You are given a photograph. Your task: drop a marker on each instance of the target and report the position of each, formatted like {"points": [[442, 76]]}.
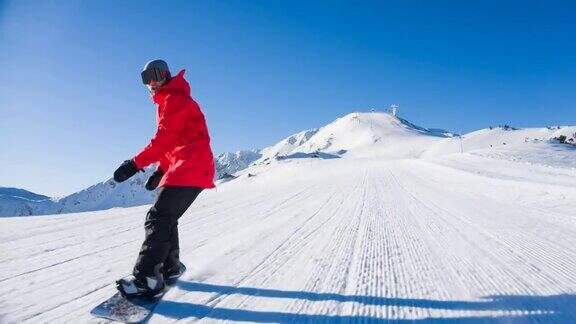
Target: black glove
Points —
{"points": [[126, 170], [154, 180]]}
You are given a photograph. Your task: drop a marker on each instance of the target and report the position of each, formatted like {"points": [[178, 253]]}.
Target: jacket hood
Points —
{"points": [[176, 84]]}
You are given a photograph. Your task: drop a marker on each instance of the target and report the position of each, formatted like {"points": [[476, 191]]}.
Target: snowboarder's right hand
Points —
{"points": [[125, 171], [154, 180]]}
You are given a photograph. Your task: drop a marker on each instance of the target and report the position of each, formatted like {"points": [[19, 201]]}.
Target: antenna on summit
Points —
{"points": [[394, 109]]}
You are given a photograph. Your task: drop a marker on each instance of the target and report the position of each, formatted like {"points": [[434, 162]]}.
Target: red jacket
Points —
{"points": [[181, 144]]}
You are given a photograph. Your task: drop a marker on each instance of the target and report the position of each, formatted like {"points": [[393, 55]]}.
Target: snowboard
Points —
{"points": [[124, 310]]}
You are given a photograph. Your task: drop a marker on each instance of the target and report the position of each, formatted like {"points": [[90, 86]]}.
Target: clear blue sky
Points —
{"points": [[72, 105]]}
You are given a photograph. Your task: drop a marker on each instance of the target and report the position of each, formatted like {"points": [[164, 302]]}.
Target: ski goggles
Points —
{"points": [[153, 74]]}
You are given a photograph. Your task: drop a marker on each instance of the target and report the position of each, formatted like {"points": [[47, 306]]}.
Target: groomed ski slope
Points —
{"points": [[468, 236]]}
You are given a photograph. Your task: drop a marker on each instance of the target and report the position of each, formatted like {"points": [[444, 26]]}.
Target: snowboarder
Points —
{"points": [[181, 146]]}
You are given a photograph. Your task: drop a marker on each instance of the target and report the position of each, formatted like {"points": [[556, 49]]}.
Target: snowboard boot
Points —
{"points": [[172, 274], [142, 287], [174, 268]]}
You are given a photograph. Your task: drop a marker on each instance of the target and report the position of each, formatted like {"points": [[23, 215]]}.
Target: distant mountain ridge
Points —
{"points": [[356, 135], [229, 163], [107, 194], [21, 193]]}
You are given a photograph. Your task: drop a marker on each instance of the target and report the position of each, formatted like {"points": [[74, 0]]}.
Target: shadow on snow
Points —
{"points": [[553, 309]]}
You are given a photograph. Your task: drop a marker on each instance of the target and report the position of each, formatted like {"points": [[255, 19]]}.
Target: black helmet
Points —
{"points": [[156, 70]]}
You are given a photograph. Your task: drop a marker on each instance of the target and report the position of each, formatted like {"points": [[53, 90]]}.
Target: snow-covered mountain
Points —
{"points": [[501, 137], [356, 135], [369, 134], [286, 146], [21, 193], [229, 163], [15, 201]]}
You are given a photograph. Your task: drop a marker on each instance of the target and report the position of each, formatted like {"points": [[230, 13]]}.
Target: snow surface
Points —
{"points": [[413, 231]]}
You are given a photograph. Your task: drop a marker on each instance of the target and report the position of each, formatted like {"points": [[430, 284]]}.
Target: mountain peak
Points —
{"points": [[361, 133], [355, 134]]}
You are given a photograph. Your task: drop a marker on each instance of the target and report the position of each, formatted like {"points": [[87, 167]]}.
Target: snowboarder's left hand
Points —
{"points": [[126, 170], [154, 180]]}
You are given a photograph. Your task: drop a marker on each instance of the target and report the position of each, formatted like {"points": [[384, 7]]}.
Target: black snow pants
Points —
{"points": [[161, 242]]}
